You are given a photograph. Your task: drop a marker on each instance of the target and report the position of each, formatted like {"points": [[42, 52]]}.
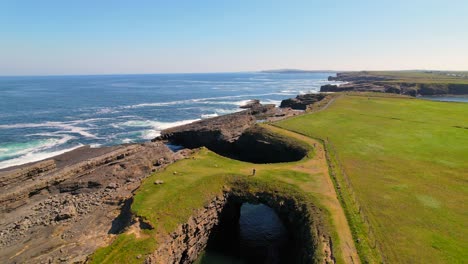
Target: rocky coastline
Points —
{"points": [[373, 82], [60, 210], [186, 243]]}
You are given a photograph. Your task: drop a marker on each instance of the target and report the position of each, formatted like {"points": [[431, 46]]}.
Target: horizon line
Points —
{"points": [[221, 72]]}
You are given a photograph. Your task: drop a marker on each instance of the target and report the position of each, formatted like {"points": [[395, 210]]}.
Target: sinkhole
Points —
{"points": [[249, 233]]}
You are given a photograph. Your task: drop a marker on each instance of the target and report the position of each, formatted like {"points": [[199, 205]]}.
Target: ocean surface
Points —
{"points": [[454, 98], [45, 116]]}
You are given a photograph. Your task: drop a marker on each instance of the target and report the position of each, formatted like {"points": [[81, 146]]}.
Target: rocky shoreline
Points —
{"points": [[61, 213], [60, 210]]}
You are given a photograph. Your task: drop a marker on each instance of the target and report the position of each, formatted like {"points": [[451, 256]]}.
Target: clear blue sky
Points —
{"points": [[99, 36]]}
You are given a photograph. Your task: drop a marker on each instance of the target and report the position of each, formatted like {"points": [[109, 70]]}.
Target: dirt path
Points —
{"points": [[322, 186]]}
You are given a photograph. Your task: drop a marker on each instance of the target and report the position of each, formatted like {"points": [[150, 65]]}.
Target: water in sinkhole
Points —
{"points": [[257, 236]]}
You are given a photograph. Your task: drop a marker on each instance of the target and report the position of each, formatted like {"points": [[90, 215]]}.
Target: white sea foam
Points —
{"points": [[222, 111], [269, 101], [207, 100], [32, 151], [156, 126], [32, 157], [78, 130], [288, 92], [150, 134], [209, 115], [69, 127], [127, 140], [242, 102], [18, 149], [106, 110]]}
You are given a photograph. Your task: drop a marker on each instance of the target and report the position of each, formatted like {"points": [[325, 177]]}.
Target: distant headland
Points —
{"points": [[413, 83], [295, 71]]}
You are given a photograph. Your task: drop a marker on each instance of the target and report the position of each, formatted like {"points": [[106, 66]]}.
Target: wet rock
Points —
{"points": [[251, 104]]}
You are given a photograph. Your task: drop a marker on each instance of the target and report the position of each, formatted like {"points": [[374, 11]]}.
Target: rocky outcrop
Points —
{"points": [[251, 104], [237, 136], [258, 145], [186, 243], [26, 173], [64, 208], [302, 102], [213, 133], [249, 142]]}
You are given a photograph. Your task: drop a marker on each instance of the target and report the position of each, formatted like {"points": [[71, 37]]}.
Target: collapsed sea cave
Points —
{"points": [[240, 227], [248, 233], [255, 145]]}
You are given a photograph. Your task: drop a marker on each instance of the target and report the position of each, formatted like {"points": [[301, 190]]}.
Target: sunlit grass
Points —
{"points": [[407, 161]]}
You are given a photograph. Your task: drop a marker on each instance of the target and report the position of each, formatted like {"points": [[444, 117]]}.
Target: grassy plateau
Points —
{"points": [[401, 165], [191, 183], [389, 174], [423, 76]]}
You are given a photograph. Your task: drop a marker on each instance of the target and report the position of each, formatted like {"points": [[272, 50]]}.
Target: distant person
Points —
{"points": [[253, 172]]}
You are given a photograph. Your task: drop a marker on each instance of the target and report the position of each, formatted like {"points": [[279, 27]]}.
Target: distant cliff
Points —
{"points": [[407, 83]]}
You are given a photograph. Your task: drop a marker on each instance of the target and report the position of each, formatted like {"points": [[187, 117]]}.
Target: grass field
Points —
{"points": [[406, 161], [191, 183], [424, 76]]}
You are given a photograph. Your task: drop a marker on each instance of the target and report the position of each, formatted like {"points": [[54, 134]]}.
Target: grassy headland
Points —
{"points": [[401, 166], [423, 76], [190, 183], [403, 82]]}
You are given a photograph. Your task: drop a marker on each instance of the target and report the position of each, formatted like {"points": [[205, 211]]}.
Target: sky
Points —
{"points": [[123, 37]]}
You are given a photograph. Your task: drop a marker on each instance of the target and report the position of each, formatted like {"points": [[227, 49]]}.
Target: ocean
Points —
{"points": [[41, 117]]}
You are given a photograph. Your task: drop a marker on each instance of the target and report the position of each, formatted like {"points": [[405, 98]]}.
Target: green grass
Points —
{"points": [[191, 183], [440, 77], [125, 249], [407, 163]]}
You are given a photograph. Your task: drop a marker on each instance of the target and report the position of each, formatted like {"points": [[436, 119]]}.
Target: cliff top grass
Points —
{"points": [[191, 183], [439, 77], [402, 165]]}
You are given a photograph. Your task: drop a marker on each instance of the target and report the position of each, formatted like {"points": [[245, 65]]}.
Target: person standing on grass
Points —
{"points": [[253, 172]]}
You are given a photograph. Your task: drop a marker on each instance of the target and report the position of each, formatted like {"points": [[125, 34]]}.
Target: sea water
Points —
{"points": [[455, 98], [44, 116], [261, 237]]}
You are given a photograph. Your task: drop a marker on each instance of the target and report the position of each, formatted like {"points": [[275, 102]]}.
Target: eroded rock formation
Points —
{"points": [[365, 82], [237, 136], [62, 209], [185, 244], [302, 102]]}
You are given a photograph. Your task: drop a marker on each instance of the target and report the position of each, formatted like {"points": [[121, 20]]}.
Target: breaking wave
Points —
{"points": [[12, 154]]}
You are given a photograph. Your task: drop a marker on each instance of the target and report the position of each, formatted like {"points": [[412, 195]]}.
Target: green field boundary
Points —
{"points": [[368, 247]]}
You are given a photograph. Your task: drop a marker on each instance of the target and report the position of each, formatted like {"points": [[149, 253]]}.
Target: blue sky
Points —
{"points": [[101, 37]]}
